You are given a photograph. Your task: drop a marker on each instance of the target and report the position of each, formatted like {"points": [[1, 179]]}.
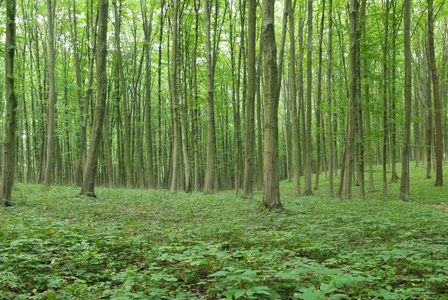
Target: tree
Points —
{"points": [[404, 184], [159, 95], [271, 194], [385, 98], [329, 76], [51, 6], [147, 29], [90, 172], [319, 96], [435, 89], [309, 80], [345, 183], [250, 102], [124, 93], [174, 99], [211, 65], [9, 153], [295, 120]]}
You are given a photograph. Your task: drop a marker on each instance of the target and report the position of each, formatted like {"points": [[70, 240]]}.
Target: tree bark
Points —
{"points": [[209, 180], [209, 169], [345, 184], [51, 6], [329, 100], [309, 81], [124, 93], [271, 195], [174, 99], [9, 146], [250, 102], [197, 4], [159, 106], [319, 96], [385, 100], [435, 89], [295, 119], [404, 184], [88, 187], [147, 29]]}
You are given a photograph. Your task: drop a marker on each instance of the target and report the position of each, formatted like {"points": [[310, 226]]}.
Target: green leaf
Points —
{"points": [[219, 273]]}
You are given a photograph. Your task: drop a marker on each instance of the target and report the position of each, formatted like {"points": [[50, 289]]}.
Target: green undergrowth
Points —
{"points": [[147, 244]]}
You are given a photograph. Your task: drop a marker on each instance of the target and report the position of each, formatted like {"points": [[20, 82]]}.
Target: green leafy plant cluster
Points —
{"points": [[135, 244]]}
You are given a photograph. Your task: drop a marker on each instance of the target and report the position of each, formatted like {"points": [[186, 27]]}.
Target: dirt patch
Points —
{"points": [[442, 205]]}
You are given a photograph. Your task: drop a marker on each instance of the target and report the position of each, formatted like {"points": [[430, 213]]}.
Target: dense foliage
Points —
{"points": [[148, 111], [147, 244]]}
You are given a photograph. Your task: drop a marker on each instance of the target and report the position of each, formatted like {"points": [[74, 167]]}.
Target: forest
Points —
{"points": [[188, 99], [223, 149]]}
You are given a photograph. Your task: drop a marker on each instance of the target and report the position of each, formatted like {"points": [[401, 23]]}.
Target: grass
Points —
{"points": [[147, 244]]}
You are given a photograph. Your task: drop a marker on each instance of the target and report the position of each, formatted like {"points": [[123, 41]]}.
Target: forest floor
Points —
{"points": [[147, 244]]}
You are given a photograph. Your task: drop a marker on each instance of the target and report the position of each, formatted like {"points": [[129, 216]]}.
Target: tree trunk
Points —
{"points": [[211, 64], [88, 187], [159, 106], [195, 84], [147, 28], [9, 152], [271, 195], [85, 113], [435, 89], [259, 120], [393, 127], [250, 102], [428, 121], [360, 121], [329, 100], [51, 6], [309, 80], [174, 99], [385, 87], [209, 170], [124, 93], [319, 96], [404, 184], [295, 119], [345, 184]]}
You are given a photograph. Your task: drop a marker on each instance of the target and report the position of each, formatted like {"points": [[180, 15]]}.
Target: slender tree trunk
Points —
{"points": [[195, 84], [428, 121], [174, 99], [271, 195], [147, 28], [237, 120], [404, 185], [345, 184], [385, 87], [124, 93], [295, 119], [85, 113], [393, 127], [437, 107], [211, 64], [159, 107], [9, 152], [359, 104], [329, 100], [209, 170], [51, 6], [109, 154], [250, 102], [259, 120], [319, 96], [309, 81], [88, 187]]}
